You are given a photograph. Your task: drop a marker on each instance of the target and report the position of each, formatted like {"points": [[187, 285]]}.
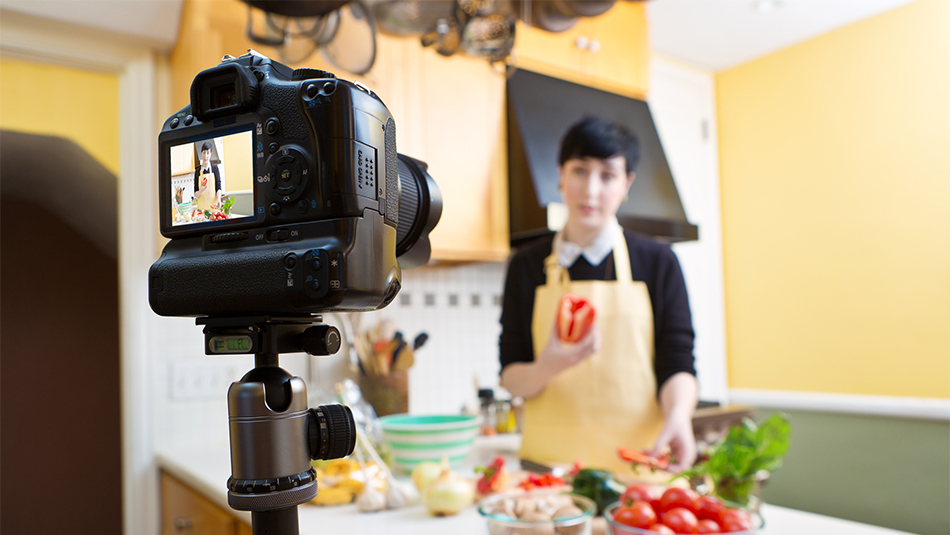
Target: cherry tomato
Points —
{"points": [[707, 526], [680, 520], [641, 492], [638, 515], [660, 528], [675, 497], [708, 507], [735, 520]]}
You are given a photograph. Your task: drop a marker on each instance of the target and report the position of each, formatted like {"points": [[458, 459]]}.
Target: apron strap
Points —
{"points": [[557, 274]]}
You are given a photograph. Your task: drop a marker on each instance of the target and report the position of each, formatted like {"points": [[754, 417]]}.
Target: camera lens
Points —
{"points": [[420, 207]]}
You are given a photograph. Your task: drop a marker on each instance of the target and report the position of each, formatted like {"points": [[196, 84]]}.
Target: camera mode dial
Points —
{"points": [[287, 176]]}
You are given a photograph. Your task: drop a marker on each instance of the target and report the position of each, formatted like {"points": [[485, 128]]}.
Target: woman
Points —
{"points": [[207, 195], [631, 380]]}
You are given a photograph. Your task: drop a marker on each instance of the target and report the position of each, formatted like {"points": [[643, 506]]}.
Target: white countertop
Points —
{"points": [[207, 469]]}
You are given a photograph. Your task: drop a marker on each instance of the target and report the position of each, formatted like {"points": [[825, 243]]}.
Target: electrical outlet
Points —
{"points": [[202, 379]]}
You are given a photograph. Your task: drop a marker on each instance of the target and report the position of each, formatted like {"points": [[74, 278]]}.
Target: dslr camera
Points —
{"points": [[282, 193]]}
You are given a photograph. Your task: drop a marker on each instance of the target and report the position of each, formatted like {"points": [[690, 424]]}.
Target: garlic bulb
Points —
{"points": [[400, 494], [371, 499]]}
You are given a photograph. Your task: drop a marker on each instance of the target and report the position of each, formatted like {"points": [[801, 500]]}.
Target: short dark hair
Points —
{"points": [[205, 146], [596, 137]]}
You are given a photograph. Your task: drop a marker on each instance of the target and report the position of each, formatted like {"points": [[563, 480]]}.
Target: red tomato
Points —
{"points": [[708, 507], [638, 515], [575, 315], [676, 497], [639, 491], [735, 520], [708, 526], [680, 520], [660, 528]]}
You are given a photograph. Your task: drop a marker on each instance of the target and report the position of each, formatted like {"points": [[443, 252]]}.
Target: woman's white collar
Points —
{"points": [[595, 253]]}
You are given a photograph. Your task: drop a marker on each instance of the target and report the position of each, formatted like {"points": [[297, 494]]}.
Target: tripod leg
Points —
{"points": [[280, 522]]}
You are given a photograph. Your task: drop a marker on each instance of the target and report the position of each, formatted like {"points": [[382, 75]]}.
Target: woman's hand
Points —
{"points": [[677, 435], [528, 379], [557, 356], [678, 401]]}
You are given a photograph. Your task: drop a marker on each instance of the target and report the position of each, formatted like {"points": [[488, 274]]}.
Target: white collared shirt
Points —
{"points": [[595, 253]]}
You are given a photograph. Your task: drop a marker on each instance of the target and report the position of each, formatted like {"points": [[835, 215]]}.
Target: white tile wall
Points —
{"points": [[459, 307]]}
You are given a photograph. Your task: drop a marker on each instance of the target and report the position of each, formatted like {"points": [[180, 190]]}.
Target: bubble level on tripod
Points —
{"points": [[230, 344]]}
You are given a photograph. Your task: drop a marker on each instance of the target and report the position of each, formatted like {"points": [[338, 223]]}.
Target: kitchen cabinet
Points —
{"points": [[609, 52], [186, 512], [449, 112]]}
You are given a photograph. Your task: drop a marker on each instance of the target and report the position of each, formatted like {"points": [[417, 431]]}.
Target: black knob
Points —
{"points": [[321, 340], [332, 432], [307, 74]]}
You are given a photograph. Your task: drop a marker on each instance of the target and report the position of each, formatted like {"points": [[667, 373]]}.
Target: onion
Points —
{"points": [[426, 472], [448, 494]]}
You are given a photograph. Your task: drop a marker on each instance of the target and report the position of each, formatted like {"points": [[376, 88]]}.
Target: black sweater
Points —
{"points": [[650, 262]]}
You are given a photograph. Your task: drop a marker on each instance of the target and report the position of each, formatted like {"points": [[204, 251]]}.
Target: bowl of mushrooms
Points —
{"points": [[538, 513]]}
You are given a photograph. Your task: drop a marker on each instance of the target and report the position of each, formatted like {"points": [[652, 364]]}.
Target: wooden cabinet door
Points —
{"points": [[609, 52], [461, 113], [185, 512]]}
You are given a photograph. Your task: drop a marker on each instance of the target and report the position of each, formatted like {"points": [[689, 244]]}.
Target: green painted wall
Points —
{"points": [[891, 472]]}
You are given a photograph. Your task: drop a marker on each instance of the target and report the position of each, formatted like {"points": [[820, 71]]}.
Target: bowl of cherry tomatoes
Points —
{"points": [[646, 510]]}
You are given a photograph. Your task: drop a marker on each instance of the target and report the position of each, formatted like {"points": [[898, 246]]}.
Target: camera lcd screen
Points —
{"points": [[212, 179]]}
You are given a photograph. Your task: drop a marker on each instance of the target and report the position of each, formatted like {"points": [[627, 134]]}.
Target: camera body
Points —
{"points": [[295, 190]]}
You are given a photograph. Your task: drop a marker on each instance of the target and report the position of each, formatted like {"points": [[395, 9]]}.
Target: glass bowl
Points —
{"points": [[496, 510], [616, 528]]}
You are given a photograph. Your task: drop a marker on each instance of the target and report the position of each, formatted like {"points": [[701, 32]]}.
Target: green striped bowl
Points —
{"points": [[428, 438]]}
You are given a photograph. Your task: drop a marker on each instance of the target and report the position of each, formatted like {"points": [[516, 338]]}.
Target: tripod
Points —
{"points": [[274, 435]]}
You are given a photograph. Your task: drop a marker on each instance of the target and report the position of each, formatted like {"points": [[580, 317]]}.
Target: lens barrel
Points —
{"points": [[420, 208]]}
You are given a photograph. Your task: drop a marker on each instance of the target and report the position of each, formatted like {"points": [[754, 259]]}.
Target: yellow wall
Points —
{"points": [[239, 157], [835, 170], [79, 105]]}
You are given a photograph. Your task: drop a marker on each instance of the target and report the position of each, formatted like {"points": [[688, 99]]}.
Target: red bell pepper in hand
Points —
{"points": [[575, 315]]}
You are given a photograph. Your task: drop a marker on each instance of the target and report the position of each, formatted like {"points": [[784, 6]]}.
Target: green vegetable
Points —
{"points": [[747, 450], [228, 204], [598, 485]]}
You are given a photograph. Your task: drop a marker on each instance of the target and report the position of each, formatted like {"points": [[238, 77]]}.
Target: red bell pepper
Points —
{"points": [[575, 315], [491, 476]]}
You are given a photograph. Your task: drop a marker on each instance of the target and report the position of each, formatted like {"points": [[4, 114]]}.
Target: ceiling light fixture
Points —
{"points": [[766, 6]]}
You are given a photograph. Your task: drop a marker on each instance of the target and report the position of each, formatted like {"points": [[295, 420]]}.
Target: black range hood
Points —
{"points": [[540, 110]]}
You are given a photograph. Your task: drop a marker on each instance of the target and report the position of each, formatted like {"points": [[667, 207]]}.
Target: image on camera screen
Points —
{"points": [[212, 179]]}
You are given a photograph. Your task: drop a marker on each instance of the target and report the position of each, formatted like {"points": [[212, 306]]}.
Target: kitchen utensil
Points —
{"points": [[353, 47], [421, 339], [497, 510], [411, 17], [428, 438]]}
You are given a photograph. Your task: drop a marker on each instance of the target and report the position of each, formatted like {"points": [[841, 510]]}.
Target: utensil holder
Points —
{"points": [[388, 394]]}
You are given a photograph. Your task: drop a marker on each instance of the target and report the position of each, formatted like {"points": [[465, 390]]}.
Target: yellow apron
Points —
{"points": [[207, 199], [608, 400]]}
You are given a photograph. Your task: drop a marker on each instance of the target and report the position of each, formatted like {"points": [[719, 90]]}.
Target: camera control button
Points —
{"points": [[312, 90], [290, 261], [274, 209], [315, 285], [285, 159], [286, 190], [273, 147], [175, 122], [316, 264], [303, 205], [190, 119], [271, 126]]}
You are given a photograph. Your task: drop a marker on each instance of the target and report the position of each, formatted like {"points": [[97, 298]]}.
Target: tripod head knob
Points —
{"points": [[332, 432], [321, 340]]}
